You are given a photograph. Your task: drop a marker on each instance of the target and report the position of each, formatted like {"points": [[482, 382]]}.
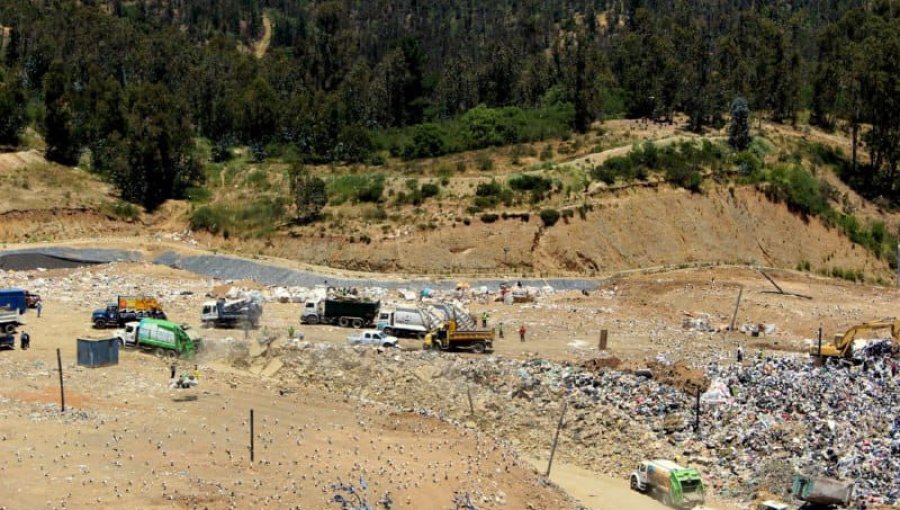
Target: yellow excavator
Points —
{"points": [[843, 344]]}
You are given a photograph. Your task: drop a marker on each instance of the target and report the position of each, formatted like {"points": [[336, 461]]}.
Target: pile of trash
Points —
{"points": [[760, 422]]}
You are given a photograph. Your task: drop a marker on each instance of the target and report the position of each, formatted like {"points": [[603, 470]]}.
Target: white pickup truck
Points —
{"points": [[373, 337]]}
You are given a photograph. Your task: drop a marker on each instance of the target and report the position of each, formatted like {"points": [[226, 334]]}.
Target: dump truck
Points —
{"points": [[346, 312], [14, 299], [164, 338], [9, 321], [676, 485], [223, 313], [842, 346], [127, 309], [447, 336], [822, 492]]}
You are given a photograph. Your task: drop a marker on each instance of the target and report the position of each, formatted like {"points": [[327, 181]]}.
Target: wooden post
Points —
{"points": [[604, 337], [820, 341], [562, 417], [736, 306], [62, 391], [697, 413], [252, 452]]}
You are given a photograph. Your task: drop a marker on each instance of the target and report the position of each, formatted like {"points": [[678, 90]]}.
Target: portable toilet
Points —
{"points": [[94, 353]]}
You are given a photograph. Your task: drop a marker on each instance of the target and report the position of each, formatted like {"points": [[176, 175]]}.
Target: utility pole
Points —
{"points": [[62, 391], [559, 426], [736, 306]]}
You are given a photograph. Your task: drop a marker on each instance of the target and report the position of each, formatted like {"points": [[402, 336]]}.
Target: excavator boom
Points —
{"points": [[842, 346]]}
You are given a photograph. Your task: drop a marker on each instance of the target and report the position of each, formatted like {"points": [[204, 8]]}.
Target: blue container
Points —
{"points": [[14, 299], [94, 353]]}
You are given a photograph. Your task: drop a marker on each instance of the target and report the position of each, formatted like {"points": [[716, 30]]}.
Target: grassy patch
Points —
{"points": [[254, 219]]}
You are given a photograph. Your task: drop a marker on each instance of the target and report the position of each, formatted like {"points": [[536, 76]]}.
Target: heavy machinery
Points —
{"points": [[127, 309], [14, 299], [447, 336], [822, 492], [677, 486], [842, 347], [223, 313], [164, 338], [9, 321], [412, 322], [344, 312]]}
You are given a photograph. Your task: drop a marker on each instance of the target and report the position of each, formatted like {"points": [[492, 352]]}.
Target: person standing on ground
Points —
{"points": [[500, 329], [172, 370], [39, 306], [25, 340], [522, 331], [197, 373], [484, 319], [740, 354]]}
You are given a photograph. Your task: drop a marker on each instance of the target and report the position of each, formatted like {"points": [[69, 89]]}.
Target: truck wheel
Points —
{"points": [[343, 322], [312, 319], [634, 484], [9, 328], [99, 324], [357, 323], [420, 335], [159, 352], [479, 348], [171, 354]]}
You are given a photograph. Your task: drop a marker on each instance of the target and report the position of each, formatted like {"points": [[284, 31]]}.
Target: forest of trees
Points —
{"points": [[133, 84]]}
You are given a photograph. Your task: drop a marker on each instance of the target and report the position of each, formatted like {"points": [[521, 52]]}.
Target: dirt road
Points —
{"points": [[598, 492]]}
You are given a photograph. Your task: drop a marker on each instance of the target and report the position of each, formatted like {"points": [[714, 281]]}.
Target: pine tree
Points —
{"points": [[739, 130]]}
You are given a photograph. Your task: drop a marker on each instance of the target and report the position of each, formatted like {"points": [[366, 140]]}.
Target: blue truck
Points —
{"points": [[14, 300], [127, 309]]}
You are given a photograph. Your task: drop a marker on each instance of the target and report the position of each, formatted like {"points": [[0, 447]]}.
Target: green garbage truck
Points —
{"points": [[677, 486], [164, 338]]}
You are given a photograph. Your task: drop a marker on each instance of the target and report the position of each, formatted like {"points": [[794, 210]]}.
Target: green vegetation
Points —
{"points": [[257, 218], [479, 128], [680, 163], [355, 188], [121, 210], [549, 217], [133, 84]]}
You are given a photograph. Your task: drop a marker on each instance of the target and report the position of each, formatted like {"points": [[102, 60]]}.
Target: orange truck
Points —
{"points": [[127, 309]]}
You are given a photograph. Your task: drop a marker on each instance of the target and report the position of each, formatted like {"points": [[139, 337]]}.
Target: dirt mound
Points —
{"points": [[601, 363], [679, 375]]}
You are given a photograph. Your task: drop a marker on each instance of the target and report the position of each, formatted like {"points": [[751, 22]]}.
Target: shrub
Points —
{"points": [[488, 189], [358, 188], [530, 182], [489, 218], [427, 141], [549, 217], [484, 163], [430, 190]]}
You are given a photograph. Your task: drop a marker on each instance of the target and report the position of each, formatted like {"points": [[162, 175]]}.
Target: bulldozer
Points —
{"points": [[842, 347]]}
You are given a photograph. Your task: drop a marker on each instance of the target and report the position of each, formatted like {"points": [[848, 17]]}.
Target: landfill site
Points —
{"points": [[157, 379]]}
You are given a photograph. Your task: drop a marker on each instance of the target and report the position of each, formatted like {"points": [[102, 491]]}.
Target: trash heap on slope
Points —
{"points": [[761, 422]]}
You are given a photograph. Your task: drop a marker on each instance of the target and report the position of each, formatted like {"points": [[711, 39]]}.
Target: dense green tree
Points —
{"points": [[12, 111], [61, 134], [739, 129], [154, 159]]}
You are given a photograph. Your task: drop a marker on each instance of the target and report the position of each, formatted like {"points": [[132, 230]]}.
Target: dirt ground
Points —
{"points": [[127, 439]]}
